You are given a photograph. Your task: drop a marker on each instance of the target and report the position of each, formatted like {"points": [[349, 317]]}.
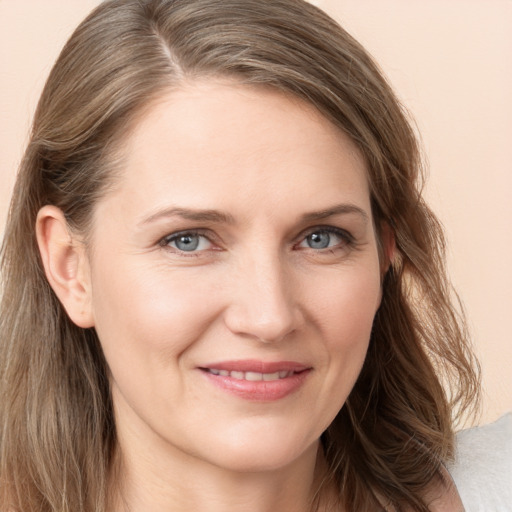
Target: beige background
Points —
{"points": [[451, 65]]}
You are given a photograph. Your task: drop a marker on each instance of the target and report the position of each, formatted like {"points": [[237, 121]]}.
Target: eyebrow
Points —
{"points": [[217, 216], [342, 209], [190, 214]]}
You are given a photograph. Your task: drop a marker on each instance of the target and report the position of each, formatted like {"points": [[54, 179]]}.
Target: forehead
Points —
{"points": [[219, 141]]}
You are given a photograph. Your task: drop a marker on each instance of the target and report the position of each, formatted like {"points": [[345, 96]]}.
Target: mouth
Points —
{"points": [[251, 376], [257, 380]]}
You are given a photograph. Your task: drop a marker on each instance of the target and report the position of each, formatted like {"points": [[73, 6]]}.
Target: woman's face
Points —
{"points": [[234, 277]]}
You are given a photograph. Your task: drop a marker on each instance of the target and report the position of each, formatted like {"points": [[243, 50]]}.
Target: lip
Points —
{"points": [[259, 390]]}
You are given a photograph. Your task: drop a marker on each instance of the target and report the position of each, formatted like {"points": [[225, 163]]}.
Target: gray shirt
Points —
{"points": [[482, 470]]}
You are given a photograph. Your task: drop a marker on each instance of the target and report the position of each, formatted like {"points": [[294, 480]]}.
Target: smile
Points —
{"points": [[256, 380], [252, 376]]}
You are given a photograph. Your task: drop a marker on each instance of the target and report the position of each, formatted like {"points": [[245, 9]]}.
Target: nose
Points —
{"points": [[263, 304]]}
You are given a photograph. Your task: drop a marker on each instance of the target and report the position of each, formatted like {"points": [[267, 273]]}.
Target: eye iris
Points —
{"points": [[187, 242], [319, 240]]}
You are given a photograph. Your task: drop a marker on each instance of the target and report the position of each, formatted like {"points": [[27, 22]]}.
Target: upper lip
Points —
{"points": [[253, 365]]}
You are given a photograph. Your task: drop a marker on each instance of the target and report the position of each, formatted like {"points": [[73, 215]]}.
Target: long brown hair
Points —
{"points": [[395, 432]]}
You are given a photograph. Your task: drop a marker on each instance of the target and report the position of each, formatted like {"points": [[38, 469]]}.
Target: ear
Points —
{"points": [[66, 265], [388, 247]]}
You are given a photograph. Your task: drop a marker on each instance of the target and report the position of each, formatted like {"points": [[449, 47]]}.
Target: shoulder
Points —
{"points": [[482, 469]]}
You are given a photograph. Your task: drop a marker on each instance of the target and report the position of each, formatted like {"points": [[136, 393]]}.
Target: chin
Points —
{"points": [[263, 453]]}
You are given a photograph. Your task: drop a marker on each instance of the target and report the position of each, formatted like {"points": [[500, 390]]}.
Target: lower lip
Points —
{"points": [[261, 390]]}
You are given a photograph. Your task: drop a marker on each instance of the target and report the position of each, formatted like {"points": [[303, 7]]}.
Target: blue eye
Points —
{"points": [[324, 239], [319, 240], [188, 242]]}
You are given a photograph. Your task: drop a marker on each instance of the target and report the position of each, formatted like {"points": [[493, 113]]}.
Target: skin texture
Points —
{"points": [[260, 286]]}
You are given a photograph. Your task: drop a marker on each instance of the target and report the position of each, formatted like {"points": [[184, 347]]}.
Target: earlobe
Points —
{"points": [[66, 265]]}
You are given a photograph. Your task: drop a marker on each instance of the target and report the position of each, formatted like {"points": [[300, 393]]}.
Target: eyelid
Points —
{"points": [[205, 233], [343, 233], [346, 236]]}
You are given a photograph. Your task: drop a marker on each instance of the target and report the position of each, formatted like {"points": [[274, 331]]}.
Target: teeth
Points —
{"points": [[252, 376]]}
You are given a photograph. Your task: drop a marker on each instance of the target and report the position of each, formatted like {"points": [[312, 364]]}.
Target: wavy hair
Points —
{"points": [[57, 441]]}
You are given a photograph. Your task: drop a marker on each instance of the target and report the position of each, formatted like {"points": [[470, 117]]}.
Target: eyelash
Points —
{"points": [[164, 242], [347, 240]]}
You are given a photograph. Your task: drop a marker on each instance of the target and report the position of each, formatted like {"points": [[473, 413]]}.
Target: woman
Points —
{"points": [[222, 287]]}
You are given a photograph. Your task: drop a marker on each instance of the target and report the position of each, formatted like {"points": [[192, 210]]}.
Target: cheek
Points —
{"points": [[342, 312], [347, 307], [346, 321], [141, 311]]}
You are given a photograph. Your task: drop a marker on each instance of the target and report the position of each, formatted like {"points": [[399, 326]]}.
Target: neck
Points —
{"points": [[176, 482]]}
